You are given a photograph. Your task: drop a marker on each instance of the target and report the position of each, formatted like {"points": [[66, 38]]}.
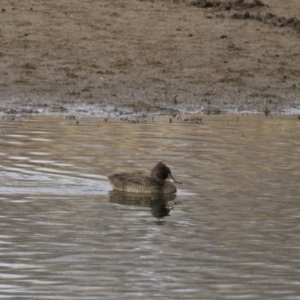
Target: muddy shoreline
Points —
{"points": [[130, 56]]}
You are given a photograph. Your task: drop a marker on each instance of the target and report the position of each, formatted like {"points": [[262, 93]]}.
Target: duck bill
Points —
{"points": [[173, 179]]}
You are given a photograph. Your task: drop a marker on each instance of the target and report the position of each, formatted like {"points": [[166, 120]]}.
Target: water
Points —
{"points": [[232, 231]]}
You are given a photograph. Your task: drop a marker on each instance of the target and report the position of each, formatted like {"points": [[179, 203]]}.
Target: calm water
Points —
{"points": [[232, 231]]}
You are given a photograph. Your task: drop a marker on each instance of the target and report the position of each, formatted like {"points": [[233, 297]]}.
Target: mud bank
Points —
{"points": [[149, 56]]}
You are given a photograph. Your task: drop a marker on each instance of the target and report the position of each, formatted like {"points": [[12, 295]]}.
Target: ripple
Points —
{"points": [[231, 232]]}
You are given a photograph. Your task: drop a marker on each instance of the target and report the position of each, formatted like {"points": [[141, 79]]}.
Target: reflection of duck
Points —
{"points": [[141, 183], [159, 203]]}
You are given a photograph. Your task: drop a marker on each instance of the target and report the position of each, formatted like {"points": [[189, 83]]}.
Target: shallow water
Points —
{"points": [[232, 231]]}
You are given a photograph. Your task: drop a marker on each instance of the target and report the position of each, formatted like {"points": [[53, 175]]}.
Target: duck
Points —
{"points": [[156, 182]]}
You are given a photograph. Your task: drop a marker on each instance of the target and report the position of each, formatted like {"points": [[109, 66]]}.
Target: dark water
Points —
{"points": [[232, 232]]}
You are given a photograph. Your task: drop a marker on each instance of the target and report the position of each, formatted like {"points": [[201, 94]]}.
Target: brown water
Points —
{"points": [[232, 231]]}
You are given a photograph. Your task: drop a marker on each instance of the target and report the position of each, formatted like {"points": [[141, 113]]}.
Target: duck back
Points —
{"points": [[140, 183]]}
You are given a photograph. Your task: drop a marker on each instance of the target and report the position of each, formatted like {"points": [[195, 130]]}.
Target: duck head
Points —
{"points": [[161, 171]]}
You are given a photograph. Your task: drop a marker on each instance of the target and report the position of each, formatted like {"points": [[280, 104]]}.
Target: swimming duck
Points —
{"points": [[142, 183]]}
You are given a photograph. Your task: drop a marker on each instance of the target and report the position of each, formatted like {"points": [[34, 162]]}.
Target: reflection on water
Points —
{"points": [[232, 232], [160, 204]]}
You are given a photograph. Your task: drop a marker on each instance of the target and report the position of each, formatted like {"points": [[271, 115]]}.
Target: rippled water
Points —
{"points": [[232, 232]]}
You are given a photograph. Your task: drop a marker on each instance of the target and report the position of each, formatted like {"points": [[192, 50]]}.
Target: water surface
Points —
{"points": [[232, 231]]}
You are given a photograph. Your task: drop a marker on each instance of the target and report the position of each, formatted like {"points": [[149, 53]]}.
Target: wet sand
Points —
{"points": [[149, 56]]}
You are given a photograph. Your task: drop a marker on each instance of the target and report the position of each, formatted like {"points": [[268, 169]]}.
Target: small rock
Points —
{"points": [[269, 16], [297, 27], [267, 111], [220, 16], [246, 15], [283, 22], [291, 22], [258, 17]]}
